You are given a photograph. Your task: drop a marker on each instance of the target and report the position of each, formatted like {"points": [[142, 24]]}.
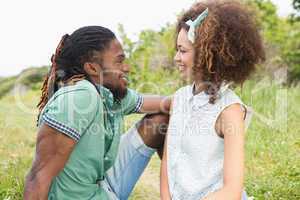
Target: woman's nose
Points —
{"points": [[177, 57]]}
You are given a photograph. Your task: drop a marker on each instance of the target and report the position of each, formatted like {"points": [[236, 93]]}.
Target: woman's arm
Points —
{"points": [[164, 185], [231, 125]]}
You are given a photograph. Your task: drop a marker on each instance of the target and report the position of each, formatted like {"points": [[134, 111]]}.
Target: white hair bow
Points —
{"points": [[194, 24]]}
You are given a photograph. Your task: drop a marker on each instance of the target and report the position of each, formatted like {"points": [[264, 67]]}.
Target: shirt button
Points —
{"points": [[194, 107]]}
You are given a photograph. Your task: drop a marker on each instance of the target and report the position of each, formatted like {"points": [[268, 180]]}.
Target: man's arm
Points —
{"points": [[52, 152], [155, 104]]}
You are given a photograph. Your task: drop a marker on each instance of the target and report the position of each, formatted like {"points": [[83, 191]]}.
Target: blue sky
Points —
{"points": [[31, 29]]}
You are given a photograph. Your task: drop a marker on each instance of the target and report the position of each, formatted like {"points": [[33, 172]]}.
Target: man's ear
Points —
{"points": [[92, 69]]}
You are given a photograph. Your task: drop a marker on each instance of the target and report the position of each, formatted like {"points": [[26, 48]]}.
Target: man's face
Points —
{"points": [[114, 70]]}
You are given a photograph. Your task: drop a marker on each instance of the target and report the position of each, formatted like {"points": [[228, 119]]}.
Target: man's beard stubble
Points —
{"points": [[111, 82], [118, 92], [116, 89]]}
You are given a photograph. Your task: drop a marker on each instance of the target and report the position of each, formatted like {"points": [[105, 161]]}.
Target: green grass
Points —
{"points": [[272, 148]]}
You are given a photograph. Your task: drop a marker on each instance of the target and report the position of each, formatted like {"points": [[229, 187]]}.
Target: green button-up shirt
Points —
{"points": [[95, 121]]}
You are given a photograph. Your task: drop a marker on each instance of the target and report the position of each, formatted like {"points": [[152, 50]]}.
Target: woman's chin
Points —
{"points": [[184, 77]]}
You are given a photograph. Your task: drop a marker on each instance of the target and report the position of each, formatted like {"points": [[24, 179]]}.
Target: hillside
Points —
{"points": [[29, 78]]}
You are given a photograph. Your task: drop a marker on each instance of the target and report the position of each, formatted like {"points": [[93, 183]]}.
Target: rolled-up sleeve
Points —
{"points": [[132, 103], [71, 113]]}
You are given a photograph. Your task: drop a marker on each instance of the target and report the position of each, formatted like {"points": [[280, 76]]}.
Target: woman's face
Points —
{"points": [[184, 57]]}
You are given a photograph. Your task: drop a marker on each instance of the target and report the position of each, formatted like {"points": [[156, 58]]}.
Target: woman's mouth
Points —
{"points": [[181, 68]]}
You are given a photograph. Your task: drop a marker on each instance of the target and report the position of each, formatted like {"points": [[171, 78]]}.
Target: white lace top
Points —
{"points": [[195, 151]]}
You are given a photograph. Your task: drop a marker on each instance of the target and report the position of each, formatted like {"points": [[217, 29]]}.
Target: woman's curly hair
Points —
{"points": [[227, 45]]}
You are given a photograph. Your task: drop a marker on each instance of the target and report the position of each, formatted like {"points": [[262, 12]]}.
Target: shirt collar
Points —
{"points": [[202, 98], [106, 95]]}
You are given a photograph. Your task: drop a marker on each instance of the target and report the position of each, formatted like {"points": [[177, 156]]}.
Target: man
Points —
{"points": [[80, 153]]}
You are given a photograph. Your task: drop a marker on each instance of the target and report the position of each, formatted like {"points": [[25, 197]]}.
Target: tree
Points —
{"points": [[293, 51], [296, 5]]}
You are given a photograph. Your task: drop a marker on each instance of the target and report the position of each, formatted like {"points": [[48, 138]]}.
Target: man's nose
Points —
{"points": [[126, 68]]}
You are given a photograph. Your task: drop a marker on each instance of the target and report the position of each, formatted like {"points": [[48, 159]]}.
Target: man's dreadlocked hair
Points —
{"points": [[71, 53]]}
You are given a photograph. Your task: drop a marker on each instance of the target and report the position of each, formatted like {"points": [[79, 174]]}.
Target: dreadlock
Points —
{"points": [[71, 53]]}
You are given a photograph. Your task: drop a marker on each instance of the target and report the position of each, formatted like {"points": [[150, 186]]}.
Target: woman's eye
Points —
{"points": [[182, 51]]}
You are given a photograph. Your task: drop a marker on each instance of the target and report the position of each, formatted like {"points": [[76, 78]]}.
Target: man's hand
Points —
{"points": [[52, 152]]}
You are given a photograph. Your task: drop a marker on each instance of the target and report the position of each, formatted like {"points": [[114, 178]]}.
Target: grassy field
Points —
{"points": [[272, 148]]}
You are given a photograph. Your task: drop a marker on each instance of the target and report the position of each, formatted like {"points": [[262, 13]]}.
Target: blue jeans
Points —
{"points": [[244, 196], [132, 159]]}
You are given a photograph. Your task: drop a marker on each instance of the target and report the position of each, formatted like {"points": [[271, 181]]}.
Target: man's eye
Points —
{"points": [[182, 51]]}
